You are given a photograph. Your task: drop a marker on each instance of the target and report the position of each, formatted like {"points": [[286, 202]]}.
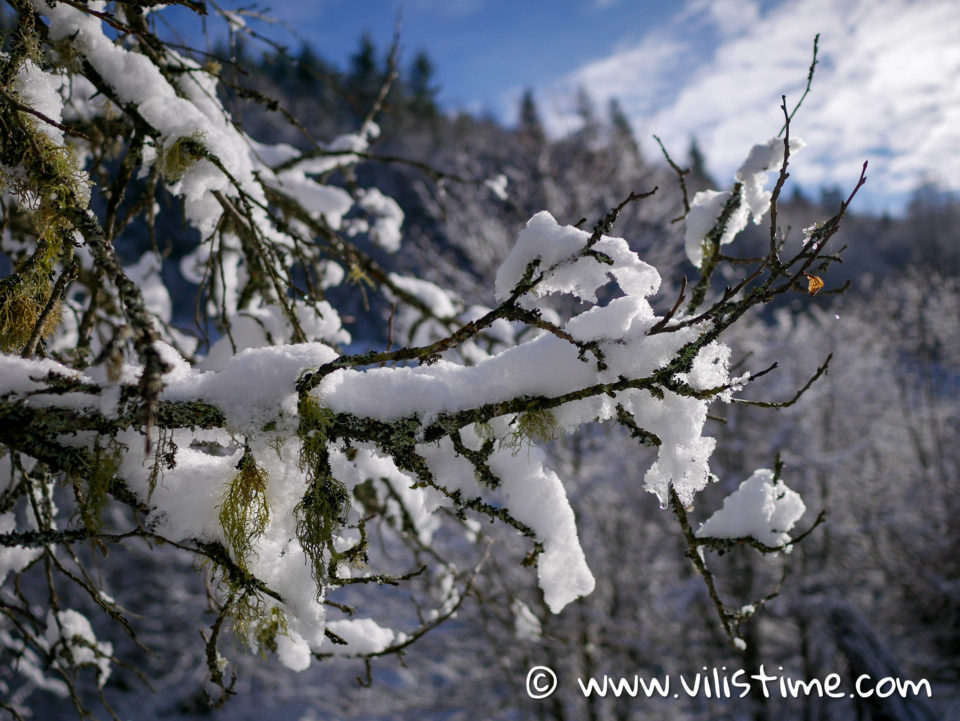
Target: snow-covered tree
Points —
{"points": [[309, 471]]}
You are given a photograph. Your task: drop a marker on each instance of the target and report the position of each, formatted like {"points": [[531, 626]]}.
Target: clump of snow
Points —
{"points": [[410, 322], [363, 636], [145, 274], [235, 20], [711, 369], [536, 497], [42, 91], [526, 625], [13, 559], [533, 495], [343, 150], [762, 159], [388, 218], [70, 634], [753, 199], [293, 652], [705, 210], [255, 385], [265, 325], [430, 294], [19, 376], [683, 455], [559, 250], [498, 186], [320, 201], [760, 508]]}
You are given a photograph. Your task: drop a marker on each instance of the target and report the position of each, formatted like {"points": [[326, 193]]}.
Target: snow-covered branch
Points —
{"points": [[290, 455]]}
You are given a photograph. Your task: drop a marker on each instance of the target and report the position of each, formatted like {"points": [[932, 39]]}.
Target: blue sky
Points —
{"points": [[482, 48], [886, 88]]}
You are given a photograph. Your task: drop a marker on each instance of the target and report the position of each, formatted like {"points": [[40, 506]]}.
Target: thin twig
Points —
{"points": [[681, 175], [813, 65]]}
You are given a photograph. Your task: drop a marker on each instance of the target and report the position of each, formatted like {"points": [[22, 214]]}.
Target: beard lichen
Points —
{"points": [[46, 179], [93, 495], [180, 155], [243, 511], [255, 624], [323, 510], [529, 427], [320, 514], [23, 297]]}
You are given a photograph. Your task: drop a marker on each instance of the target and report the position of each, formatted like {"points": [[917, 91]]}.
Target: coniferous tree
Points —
{"points": [[529, 122], [421, 86], [622, 128]]}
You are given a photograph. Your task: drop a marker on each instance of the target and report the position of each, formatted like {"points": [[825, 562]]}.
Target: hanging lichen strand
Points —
{"points": [[325, 507], [243, 510], [42, 172]]}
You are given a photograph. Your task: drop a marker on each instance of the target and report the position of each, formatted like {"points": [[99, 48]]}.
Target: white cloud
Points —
{"points": [[640, 77], [886, 88]]}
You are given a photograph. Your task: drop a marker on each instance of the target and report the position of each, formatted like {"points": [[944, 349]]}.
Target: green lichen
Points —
{"points": [[323, 509], [320, 514], [529, 427], [49, 185], [484, 431], [22, 300], [271, 624], [315, 423], [254, 623], [91, 481], [180, 155], [164, 458], [106, 461], [243, 511]]}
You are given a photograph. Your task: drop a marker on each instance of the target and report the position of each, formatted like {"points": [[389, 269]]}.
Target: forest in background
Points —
{"points": [[876, 589]]}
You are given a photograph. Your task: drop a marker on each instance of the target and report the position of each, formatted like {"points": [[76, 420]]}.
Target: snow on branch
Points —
{"points": [[291, 465]]}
